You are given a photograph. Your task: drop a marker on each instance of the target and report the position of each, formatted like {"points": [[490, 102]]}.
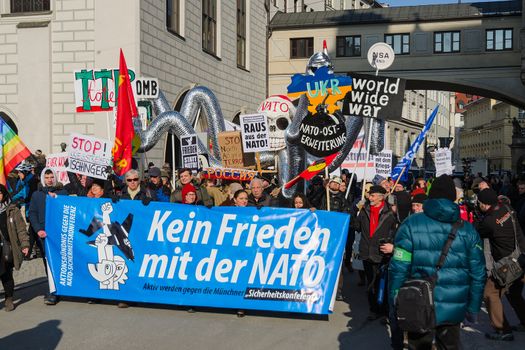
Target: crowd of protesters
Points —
{"points": [[401, 227]]}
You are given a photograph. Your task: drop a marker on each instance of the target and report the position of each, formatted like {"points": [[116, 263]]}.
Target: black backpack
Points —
{"points": [[415, 300]]}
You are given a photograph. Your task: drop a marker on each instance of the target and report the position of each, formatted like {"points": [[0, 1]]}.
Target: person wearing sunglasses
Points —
{"points": [[133, 189]]}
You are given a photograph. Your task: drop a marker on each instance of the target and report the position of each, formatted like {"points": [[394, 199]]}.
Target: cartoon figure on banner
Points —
{"points": [[110, 270]]}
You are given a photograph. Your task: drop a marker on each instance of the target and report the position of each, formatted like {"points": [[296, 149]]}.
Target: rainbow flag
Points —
{"points": [[12, 150]]}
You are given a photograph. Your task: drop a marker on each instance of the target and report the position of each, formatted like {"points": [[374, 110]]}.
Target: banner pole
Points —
{"points": [[258, 162], [173, 161], [107, 126], [327, 189], [369, 137], [398, 179], [355, 168]]}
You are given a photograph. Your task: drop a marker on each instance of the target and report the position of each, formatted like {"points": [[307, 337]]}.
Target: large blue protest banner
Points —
{"points": [[241, 258]]}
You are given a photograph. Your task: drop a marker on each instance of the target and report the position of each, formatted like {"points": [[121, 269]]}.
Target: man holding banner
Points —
{"points": [[377, 224], [37, 215]]}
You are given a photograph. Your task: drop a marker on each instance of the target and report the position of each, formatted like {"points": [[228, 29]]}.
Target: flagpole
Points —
{"points": [[398, 179], [355, 169], [368, 146], [107, 125], [173, 161], [367, 156], [327, 190]]}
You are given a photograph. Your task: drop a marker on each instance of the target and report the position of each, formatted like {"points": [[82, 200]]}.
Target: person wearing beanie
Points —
{"points": [[402, 200], [189, 194], [498, 226], [155, 184], [377, 223], [418, 245], [443, 187], [417, 202], [337, 199]]}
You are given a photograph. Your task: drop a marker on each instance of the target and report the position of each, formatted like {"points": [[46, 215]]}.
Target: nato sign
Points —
{"points": [[375, 97]]}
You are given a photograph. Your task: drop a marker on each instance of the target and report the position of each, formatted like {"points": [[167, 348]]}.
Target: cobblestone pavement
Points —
{"points": [[66, 325]]}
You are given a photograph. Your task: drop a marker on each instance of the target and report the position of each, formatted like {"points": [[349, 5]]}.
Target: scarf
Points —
{"points": [[374, 217], [132, 193]]}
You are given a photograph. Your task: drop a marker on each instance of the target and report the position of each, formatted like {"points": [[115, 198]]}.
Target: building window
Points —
{"points": [[241, 33], [301, 47], [20, 6], [446, 42], [399, 42], [209, 26], [349, 46], [173, 16], [499, 39]]}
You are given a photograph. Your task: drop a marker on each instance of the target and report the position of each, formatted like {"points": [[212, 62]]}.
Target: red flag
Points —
{"points": [[312, 170], [126, 110]]}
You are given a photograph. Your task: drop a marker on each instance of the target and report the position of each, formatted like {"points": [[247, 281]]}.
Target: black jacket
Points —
{"points": [[497, 227], [265, 201], [338, 203], [386, 230], [143, 193]]}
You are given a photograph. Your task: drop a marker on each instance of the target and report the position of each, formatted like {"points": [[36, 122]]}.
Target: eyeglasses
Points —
{"points": [[132, 180]]}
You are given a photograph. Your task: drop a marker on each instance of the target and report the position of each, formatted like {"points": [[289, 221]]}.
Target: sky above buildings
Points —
{"points": [[427, 2]]}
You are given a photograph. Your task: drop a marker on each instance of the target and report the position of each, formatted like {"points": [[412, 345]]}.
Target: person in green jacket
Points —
{"points": [[460, 283]]}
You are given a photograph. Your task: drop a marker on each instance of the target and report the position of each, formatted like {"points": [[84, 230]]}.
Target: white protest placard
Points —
{"points": [[352, 158], [56, 162], [95, 89], [443, 160], [89, 156], [189, 151], [147, 87], [384, 163], [255, 135]]}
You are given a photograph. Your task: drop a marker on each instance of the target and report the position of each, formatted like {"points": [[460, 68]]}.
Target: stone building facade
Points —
{"points": [[487, 132], [41, 47]]}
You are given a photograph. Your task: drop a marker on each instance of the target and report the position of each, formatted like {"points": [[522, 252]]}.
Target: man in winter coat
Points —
{"points": [[162, 192], [37, 214], [460, 282], [134, 190], [337, 199], [185, 177], [498, 226], [377, 224], [258, 198]]}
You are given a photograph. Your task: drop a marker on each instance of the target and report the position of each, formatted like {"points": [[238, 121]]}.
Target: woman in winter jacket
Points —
{"points": [[13, 232]]}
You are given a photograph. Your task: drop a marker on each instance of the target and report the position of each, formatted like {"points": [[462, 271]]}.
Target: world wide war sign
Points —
{"points": [[375, 97]]}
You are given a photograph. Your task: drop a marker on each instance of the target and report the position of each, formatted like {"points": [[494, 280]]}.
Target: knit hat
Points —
{"points": [[378, 179], [187, 189], [443, 187], [336, 179], [154, 171], [234, 187], [377, 189], [488, 196], [419, 198]]}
